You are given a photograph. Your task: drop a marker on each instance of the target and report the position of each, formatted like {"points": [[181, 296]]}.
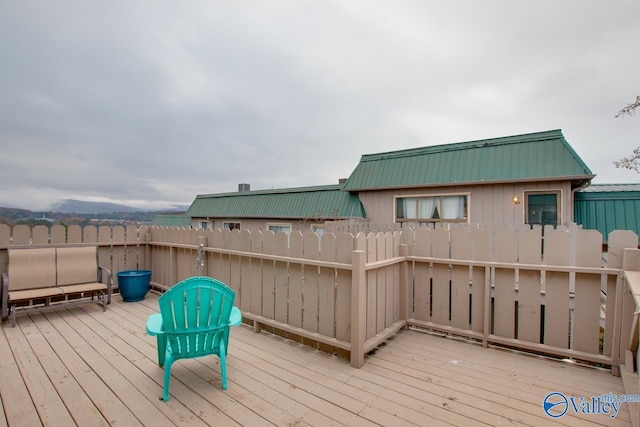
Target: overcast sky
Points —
{"points": [[150, 103]]}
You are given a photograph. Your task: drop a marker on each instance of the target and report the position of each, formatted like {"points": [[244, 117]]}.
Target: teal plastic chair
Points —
{"points": [[194, 320]]}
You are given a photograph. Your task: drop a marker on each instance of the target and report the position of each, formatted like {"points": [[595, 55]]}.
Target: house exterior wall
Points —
{"points": [[488, 204], [608, 211], [258, 224]]}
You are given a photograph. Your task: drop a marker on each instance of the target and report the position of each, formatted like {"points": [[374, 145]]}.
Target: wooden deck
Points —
{"points": [[83, 367]]}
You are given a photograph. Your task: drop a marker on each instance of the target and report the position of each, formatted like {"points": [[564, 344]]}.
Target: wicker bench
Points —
{"points": [[40, 278]]}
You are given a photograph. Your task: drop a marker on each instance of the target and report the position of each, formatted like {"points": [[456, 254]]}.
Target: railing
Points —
{"points": [[349, 293], [630, 327]]}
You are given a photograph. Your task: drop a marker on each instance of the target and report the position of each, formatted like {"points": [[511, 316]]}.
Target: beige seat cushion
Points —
{"points": [[32, 268], [29, 294], [84, 287], [77, 265]]}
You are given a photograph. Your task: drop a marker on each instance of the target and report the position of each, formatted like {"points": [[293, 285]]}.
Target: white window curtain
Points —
{"points": [[453, 207], [427, 208], [409, 206]]}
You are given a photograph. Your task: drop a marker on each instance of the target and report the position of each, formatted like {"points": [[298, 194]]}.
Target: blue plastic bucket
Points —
{"points": [[134, 284]]}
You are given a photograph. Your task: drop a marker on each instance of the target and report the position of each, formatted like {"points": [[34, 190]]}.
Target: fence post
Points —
{"points": [[358, 308]]}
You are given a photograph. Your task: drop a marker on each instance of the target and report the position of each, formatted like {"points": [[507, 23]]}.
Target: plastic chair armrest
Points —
{"points": [[155, 325], [235, 318]]}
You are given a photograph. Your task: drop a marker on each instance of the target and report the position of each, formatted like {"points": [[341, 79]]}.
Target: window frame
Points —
{"points": [[280, 224], [439, 196], [557, 192], [205, 224], [226, 225]]}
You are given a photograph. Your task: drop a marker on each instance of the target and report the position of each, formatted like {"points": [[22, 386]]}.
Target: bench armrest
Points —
{"points": [[4, 295], [104, 276]]}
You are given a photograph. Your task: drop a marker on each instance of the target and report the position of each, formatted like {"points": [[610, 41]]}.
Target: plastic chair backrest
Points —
{"points": [[195, 314]]}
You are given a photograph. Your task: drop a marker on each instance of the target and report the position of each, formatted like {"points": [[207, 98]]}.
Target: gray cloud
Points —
{"points": [[155, 102]]}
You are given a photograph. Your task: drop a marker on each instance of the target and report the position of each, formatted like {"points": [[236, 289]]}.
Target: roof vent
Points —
{"points": [[243, 188]]}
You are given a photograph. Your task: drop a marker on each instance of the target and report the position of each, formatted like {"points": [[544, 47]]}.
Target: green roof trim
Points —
{"points": [[528, 157], [321, 202]]}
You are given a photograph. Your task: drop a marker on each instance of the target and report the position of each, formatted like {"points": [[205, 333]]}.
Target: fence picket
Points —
{"points": [[504, 284], [460, 277], [556, 323], [586, 326], [529, 285]]}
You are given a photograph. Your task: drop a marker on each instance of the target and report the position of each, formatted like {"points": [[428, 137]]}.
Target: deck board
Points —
{"points": [[84, 366]]}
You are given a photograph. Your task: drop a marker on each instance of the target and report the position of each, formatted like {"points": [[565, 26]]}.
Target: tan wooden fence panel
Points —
{"points": [[40, 235], [586, 325], [422, 276], [132, 249], [268, 275], [108, 236], [371, 308], [255, 290], [556, 321], [58, 234], [21, 234], [344, 254], [281, 279], [327, 287], [440, 294], [311, 288], [460, 278], [379, 242], [529, 285], [504, 301], [89, 235], [5, 234], [296, 281], [481, 251]]}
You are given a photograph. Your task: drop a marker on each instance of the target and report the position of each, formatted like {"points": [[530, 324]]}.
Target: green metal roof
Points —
{"points": [[322, 202], [535, 156], [171, 220], [608, 207], [611, 188]]}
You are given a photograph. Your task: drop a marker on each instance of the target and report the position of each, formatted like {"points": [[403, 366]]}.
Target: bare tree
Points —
{"points": [[631, 162]]}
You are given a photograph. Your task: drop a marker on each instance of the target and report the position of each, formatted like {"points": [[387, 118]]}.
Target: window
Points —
{"points": [[231, 225], [205, 225], [286, 228], [444, 208], [318, 229], [542, 208]]}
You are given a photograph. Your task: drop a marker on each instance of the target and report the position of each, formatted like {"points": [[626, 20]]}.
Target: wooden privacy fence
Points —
{"points": [[542, 292], [549, 295], [332, 291]]}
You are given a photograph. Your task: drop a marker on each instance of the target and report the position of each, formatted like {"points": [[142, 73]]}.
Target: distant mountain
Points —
{"points": [[82, 207], [79, 206]]}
